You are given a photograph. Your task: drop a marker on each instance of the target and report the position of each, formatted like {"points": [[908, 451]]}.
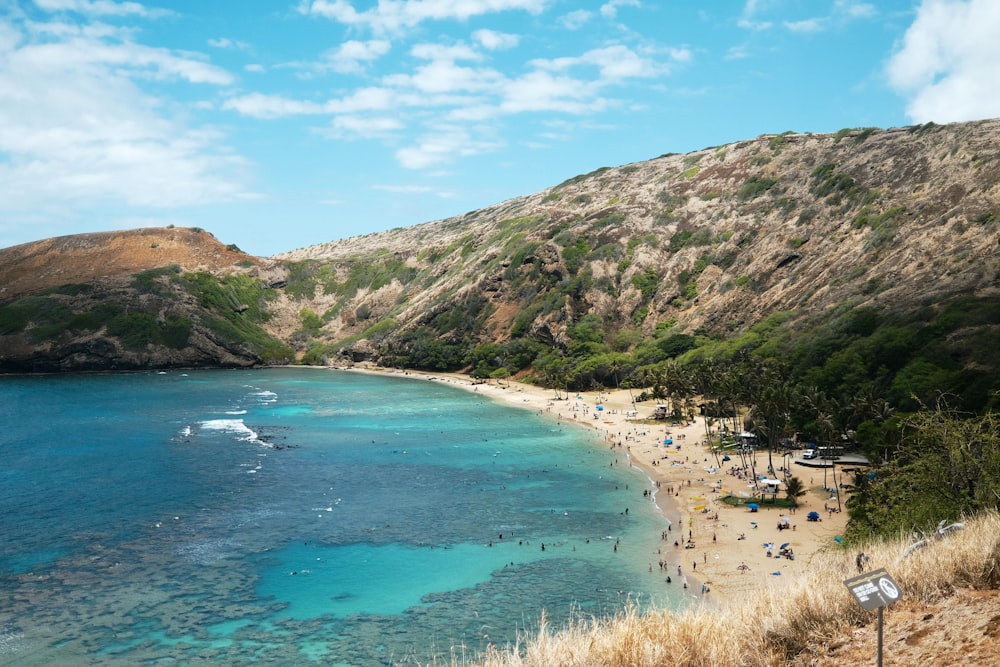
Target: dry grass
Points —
{"points": [[773, 628]]}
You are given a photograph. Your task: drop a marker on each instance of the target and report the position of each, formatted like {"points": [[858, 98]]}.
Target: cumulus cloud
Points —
{"points": [[613, 62], [75, 126], [949, 61], [455, 84], [493, 40], [441, 145], [351, 56]]}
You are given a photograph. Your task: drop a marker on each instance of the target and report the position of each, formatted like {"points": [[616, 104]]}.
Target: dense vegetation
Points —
{"points": [[232, 310], [859, 379]]}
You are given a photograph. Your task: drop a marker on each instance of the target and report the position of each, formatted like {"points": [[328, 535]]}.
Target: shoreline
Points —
{"points": [[727, 559]]}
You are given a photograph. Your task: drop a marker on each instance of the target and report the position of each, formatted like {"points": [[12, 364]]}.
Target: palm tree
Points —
{"points": [[794, 489], [772, 399]]}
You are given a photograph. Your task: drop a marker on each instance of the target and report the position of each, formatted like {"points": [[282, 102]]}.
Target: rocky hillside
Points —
{"points": [[799, 227], [712, 242]]}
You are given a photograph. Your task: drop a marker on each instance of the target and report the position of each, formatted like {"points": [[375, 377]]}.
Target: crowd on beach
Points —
{"points": [[689, 487]]}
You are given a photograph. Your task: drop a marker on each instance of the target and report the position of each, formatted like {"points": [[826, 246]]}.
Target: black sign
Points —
{"points": [[874, 589]]}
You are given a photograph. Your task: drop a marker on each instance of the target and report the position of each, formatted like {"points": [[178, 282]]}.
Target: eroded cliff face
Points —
{"points": [[712, 242]]}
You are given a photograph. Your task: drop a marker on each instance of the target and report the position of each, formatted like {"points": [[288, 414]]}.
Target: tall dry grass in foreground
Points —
{"points": [[773, 626]]}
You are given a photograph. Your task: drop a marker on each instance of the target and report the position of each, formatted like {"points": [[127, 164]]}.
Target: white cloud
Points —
{"points": [[541, 91], [76, 125], [949, 62], [442, 52], [748, 19], [613, 62], [88, 49], [258, 105], [226, 43], [738, 52], [394, 15], [855, 10], [453, 86], [609, 10], [493, 40], [805, 25], [575, 19], [441, 145], [349, 56], [366, 100], [680, 55], [453, 83], [841, 13], [366, 127]]}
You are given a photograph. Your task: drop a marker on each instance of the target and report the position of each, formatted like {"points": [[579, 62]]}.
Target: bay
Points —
{"points": [[296, 516]]}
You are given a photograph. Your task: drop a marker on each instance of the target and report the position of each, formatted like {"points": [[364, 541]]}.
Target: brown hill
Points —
{"points": [[85, 258]]}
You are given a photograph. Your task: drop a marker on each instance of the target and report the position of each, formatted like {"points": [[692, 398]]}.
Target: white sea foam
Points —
{"points": [[243, 432], [236, 412], [265, 396]]}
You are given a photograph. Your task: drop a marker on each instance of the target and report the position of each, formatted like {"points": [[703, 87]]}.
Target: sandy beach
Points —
{"points": [[719, 545]]}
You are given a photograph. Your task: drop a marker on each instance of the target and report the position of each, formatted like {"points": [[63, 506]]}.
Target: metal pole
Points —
{"points": [[880, 636]]}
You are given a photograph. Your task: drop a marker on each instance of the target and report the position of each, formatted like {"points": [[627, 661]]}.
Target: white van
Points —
{"points": [[809, 454]]}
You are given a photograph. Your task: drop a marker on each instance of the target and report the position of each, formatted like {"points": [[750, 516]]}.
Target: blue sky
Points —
{"points": [[276, 124]]}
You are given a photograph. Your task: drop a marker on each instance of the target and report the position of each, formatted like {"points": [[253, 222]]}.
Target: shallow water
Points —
{"points": [[286, 516]]}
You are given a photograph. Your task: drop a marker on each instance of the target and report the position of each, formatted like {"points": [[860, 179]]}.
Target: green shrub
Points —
{"points": [[647, 283], [755, 187], [139, 330]]}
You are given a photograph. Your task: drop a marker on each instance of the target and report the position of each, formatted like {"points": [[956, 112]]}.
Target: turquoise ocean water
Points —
{"points": [[300, 516]]}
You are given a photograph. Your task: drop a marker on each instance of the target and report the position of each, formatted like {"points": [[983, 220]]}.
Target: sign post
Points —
{"points": [[874, 590]]}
